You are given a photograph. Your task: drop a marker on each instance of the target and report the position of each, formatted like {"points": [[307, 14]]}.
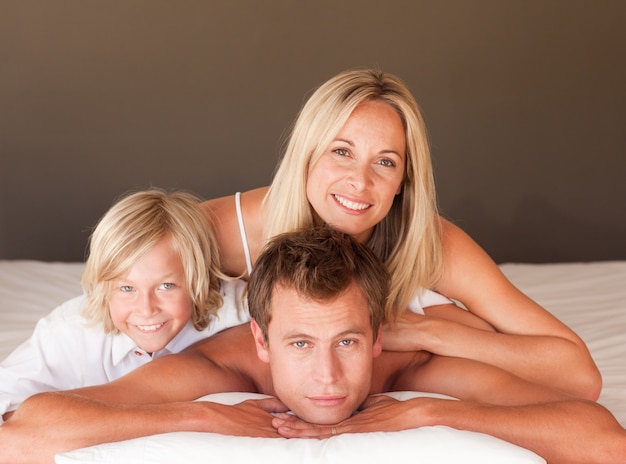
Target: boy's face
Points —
{"points": [[151, 303], [320, 353]]}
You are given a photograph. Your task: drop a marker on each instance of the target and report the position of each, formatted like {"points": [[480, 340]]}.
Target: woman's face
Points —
{"points": [[353, 184]]}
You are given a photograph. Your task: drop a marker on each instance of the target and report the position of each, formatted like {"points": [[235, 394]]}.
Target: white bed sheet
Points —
{"points": [[29, 290], [589, 297]]}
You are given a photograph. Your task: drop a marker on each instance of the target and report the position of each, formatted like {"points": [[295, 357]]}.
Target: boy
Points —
{"points": [[152, 287]]}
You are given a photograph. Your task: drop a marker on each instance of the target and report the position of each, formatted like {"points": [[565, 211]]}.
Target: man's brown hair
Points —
{"points": [[319, 263]]}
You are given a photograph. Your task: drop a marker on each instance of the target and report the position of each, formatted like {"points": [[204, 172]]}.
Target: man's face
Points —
{"points": [[320, 353]]}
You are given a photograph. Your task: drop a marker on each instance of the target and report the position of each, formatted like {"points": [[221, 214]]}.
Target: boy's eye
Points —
{"points": [[126, 288], [167, 286]]}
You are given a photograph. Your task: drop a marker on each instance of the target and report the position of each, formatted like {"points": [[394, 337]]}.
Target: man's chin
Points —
{"points": [[324, 416]]}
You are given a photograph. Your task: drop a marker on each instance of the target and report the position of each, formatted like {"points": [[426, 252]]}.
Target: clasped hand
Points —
{"points": [[379, 413]]}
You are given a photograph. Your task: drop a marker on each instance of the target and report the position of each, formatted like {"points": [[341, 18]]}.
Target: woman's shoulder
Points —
{"points": [[224, 209], [469, 271], [223, 213]]}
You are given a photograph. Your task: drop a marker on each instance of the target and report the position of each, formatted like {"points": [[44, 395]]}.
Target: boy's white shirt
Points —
{"points": [[66, 352]]}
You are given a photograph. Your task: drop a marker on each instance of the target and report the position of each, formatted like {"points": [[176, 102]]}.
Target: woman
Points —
{"points": [[358, 159]]}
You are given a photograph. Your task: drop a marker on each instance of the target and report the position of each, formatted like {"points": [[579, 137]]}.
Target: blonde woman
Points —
{"points": [[152, 285], [358, 159]]}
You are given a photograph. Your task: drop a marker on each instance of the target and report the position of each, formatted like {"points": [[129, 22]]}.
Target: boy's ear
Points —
{"points": [[259, 341], [378, 343]]}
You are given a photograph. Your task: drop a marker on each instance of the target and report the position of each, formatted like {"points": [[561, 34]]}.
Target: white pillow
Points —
{"points": [[438, 445]]}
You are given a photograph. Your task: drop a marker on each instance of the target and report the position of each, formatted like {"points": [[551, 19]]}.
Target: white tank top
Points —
{"points": [[242, 231]]}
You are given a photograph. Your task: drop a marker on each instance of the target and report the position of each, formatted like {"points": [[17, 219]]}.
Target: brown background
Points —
{"points": [[525, 103]]}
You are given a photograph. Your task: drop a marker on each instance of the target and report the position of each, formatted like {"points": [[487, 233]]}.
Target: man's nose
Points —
{"points": [[327, 368]]}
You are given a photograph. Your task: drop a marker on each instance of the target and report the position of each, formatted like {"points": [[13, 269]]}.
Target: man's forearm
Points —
{"points": [[63, 421], [560, 432]]}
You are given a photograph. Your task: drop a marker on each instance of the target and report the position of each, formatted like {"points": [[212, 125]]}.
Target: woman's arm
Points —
{"points": [[529, 342]]}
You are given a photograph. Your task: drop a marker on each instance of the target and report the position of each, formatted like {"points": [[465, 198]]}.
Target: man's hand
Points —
{"points": [[61, 431], [379, 413], [251, 418]]}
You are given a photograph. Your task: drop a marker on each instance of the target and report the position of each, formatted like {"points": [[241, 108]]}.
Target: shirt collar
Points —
{"points": [[123, 346]]}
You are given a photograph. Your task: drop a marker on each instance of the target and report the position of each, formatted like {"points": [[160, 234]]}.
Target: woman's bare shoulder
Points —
{"points": [[223, 213], [223, 208]]}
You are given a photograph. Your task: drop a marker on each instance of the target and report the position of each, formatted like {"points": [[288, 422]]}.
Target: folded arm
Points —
{"points": [[561, 432], [156, 398], [491, 401], [64, 421], [528, 341]]}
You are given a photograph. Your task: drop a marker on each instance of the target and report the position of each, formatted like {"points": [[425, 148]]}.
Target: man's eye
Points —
{"points": [[346, 342], [300, 344], [126, 288]]}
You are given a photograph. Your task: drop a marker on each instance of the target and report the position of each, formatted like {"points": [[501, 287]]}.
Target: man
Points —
{"points": [[316, 299]]}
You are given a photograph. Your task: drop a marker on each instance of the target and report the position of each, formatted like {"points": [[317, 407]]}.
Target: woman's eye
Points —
{"points": [[167, 286], [387, 162], [341, 151], [126, 288]]}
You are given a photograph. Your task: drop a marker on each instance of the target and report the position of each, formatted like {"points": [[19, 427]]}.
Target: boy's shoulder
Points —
{"points": [[69, 311], [68, 318]]}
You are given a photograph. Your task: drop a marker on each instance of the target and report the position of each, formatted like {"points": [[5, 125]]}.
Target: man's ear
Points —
{"points": [[378, 343], [259, 341]]}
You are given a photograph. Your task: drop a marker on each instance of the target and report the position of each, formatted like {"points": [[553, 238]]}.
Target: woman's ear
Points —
{"points": [[262, 350]]}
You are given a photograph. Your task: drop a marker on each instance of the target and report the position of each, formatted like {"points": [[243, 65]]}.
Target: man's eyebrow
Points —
{"points": [[308, 336], [354, 331]]}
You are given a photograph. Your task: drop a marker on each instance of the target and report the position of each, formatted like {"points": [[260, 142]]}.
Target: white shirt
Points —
{"points": [[66, 352]]}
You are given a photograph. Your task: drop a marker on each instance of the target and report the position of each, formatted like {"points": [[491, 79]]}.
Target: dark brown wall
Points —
{"points": [[525, 103]]}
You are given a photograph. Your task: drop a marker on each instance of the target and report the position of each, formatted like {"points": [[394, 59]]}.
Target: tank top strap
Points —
{"points": [[242, 231]]}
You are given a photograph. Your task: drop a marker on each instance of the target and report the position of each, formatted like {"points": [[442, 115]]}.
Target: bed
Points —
{"points": [[590, 297]]}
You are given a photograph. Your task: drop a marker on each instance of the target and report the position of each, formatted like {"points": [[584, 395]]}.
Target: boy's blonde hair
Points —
{"points": [[135, 224], [408, 238]]}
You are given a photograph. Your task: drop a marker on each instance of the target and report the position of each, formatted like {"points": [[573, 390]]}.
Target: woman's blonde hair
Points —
{"points": [[135, 224], [408, 239]]}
